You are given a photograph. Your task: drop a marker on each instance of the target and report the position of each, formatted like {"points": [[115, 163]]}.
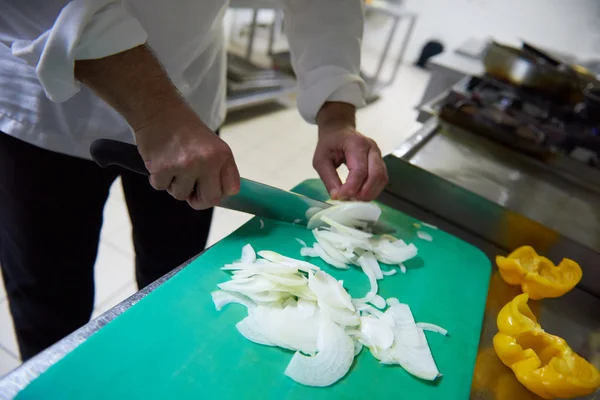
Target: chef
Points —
{"points": [[150, 72]]}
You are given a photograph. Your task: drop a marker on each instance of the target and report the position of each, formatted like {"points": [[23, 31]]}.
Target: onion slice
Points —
{"points": [[346, 230], [287, 261], [247, 327], [346, 213], [221, 298], [333, 360], [410, 349], [426, 326], [329, 291], [424, 236], [248, 254], [366, 262], [324, 255], [377, 332], [377, 301]]}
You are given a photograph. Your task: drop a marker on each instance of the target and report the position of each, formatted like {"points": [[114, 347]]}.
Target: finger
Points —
{"points": [[230, 178], [194, 198], [161, 180], [209, 192], [182, 186], [357, 163], [377, 177], [327, 171]]}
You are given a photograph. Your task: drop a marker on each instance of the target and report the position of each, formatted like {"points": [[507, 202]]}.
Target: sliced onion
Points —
{"points": [[221, 298], [392, 301], [290, 262], [262, 224], [329, 291], [302, 292], [345, 229], [402, 268], [246, 286], [410, 349], [346, 213], [288, 327], [309, 252], [357, 347], [366, 261], [391, 253], [291, 302], [369, 309], [248, 254], [261, 267], [344, 241], [378, 332], [327, 258], [302, 242], [270, 296], [378, 301], [330, 249], [286, 280], [390, 272], [341, 316], [429, 225], [247, 327], [332, 362], [376, 269], [311, 212], [424, 236], [306, 307], [426, 326]]}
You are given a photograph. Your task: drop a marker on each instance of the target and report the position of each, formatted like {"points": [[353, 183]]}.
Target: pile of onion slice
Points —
{"points": [[343, 239], [293, 305]]}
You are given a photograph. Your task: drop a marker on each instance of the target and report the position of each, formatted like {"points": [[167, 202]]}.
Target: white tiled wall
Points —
{"points": [[275, 149]]}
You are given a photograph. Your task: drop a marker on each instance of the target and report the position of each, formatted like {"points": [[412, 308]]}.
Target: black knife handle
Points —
{"points": [[107, 152]]}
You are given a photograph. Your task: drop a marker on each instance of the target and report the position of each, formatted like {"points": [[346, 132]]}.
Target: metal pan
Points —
{"points": [[584, 76], [527, 70]]}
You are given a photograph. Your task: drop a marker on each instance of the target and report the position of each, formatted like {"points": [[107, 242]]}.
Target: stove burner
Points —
{"points": [[523, 119]]}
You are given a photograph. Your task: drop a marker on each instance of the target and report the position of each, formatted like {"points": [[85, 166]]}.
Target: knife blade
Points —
{"points": [[253, 198]]}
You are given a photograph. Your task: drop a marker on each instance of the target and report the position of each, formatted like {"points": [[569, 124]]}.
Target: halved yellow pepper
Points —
{"points": [[543, 363], [537, 275]]}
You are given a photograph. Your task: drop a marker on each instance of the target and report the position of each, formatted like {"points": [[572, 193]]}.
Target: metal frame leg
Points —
{"points": [[386, 50], [272, 32], [407, 36], [252, 33]]}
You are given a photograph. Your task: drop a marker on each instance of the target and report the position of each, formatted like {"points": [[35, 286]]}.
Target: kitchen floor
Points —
{"points": [[274, 148]]}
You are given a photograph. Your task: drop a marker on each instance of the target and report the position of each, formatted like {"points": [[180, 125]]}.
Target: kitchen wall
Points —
{"points": [[571, 26]]}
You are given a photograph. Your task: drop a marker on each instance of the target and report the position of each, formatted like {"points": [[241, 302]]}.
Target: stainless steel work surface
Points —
{"points": [[513, 181]]}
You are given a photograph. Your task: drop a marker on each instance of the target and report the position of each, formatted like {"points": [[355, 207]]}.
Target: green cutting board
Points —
{"points": [[173, 344]]}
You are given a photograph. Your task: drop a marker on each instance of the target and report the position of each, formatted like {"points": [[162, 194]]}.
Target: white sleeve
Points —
{"points": [[325, 38], [84, 29]]}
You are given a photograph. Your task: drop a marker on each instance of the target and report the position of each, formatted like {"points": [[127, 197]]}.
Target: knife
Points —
{"points": [[253, 198]]}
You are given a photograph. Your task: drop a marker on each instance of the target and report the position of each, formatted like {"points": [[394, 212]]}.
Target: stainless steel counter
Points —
{"points": [[507, 198], [497, 200], [474, 192], [575, 316]]}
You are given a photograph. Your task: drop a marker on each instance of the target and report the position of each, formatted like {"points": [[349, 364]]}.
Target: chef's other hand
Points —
{"points": [[340, 143], [186, 158]]}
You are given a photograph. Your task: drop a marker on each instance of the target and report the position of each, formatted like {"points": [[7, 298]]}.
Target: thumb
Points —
{"points": [[327, 171]]}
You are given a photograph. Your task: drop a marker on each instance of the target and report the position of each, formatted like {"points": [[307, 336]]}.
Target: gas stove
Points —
{"points": [[524, 120]]}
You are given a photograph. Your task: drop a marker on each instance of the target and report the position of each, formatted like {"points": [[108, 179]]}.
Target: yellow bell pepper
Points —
{"points": [[493, 380], [537, 275], [543, 363]]}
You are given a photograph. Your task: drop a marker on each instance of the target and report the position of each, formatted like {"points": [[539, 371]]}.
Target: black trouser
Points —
{"points": [[50, 219]]}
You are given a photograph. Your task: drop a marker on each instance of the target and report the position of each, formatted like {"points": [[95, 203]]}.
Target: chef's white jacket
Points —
{"points": [[42, 103]]}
